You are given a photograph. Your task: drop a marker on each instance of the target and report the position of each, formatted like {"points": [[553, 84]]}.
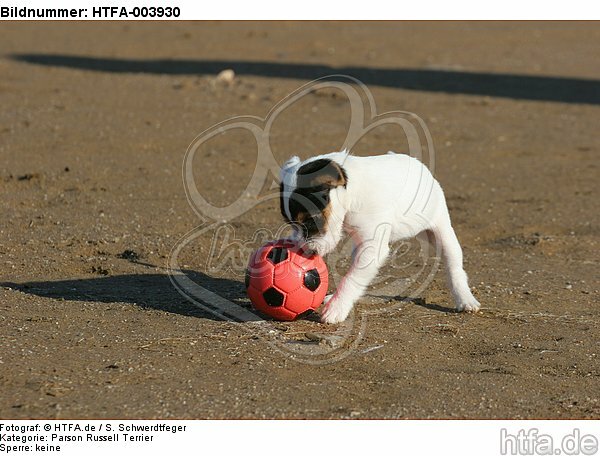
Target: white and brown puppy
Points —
{"points": [[375, 200]]}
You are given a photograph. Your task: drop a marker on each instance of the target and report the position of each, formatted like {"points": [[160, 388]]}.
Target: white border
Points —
{"points": [[302, 438], [346, 10]]}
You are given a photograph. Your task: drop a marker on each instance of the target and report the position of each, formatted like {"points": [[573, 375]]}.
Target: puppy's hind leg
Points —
{"points": [[453, 259]]}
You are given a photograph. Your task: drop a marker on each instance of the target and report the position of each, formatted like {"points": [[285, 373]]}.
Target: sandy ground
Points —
{"points": [[95, 119]]}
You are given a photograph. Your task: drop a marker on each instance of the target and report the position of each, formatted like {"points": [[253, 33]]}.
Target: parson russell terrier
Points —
{"points": [[375, 200]]}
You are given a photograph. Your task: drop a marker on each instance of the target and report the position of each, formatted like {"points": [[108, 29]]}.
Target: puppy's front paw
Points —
{"points": [[333, 310], [467, 305]]}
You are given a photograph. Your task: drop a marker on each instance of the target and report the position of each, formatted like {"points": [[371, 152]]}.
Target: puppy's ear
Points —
{"points": [[293, 161], [322, 173]]}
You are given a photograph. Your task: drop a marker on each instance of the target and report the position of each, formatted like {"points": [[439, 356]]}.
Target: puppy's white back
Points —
{"points": [[397, 185]]}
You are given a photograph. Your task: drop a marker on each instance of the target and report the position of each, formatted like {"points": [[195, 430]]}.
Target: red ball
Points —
{"points": [[284, 282]]}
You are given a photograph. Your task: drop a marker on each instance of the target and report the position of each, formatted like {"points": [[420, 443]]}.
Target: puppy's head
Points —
{"points": [[306, 196]]}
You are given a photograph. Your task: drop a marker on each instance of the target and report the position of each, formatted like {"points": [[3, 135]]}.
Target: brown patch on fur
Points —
{"points": [[302, 216], [326, 213], [321, 173]]}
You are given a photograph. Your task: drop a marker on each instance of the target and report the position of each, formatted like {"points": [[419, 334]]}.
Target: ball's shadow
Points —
{"points": [[148, 291]]}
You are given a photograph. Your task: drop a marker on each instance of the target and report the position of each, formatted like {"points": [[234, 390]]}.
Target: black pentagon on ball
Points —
{"points": [[312, 279], [247, 278], [277, 255], [273, 297]]}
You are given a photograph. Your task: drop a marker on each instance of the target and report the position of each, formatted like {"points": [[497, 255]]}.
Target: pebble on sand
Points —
{"points": [[226, 76]]}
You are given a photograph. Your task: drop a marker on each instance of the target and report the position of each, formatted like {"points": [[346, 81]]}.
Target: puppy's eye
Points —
{"points": [[323, 196]]}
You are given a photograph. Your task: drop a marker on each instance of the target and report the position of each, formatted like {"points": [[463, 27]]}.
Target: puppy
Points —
{"points": [[375, 200]]}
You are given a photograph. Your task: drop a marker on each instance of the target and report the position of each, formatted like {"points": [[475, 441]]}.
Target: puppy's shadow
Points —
{"points": [[149, 291], [421, 302]]}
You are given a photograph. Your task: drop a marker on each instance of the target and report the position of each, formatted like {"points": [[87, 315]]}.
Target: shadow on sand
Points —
{"points": [[515, 86], [154, 291]]}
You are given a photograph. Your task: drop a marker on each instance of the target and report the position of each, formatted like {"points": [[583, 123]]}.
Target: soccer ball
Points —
{"points": [[284, 282]]}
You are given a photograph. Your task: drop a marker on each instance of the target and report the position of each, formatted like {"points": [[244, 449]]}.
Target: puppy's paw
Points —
{"points": [[467, 305], [333, 311]]}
